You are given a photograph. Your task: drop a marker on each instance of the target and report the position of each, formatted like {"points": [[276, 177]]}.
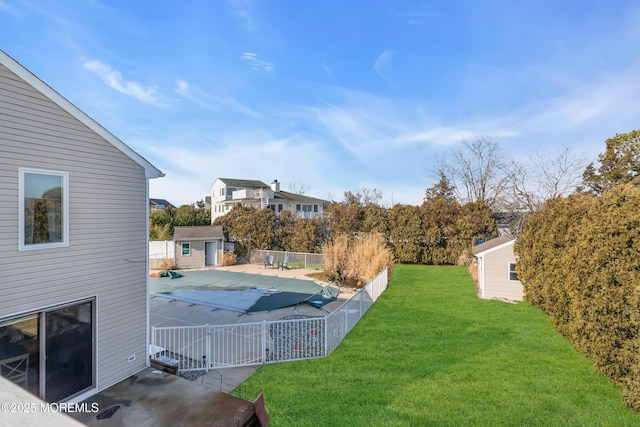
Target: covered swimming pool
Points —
{"points": [[242, 292]]}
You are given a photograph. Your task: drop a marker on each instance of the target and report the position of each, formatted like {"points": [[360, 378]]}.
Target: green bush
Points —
{"points": [[579, 261]]}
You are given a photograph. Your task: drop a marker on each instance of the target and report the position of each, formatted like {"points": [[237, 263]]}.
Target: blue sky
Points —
{"points": [[337, 95]]}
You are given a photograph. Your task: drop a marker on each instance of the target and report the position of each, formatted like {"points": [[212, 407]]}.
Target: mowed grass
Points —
{"points": [[431, 353]]}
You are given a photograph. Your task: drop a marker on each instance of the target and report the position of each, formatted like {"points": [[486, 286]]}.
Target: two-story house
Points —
{"points": [[74, 208], [227, 192]]}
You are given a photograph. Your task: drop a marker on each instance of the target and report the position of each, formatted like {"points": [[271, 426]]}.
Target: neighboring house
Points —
{"points": [[73, 244], [497, 277], [226, 192], [198, 246], [159, 205]]}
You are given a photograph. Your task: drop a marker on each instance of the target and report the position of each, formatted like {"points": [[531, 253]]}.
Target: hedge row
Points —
{"points": [[579, 261]]}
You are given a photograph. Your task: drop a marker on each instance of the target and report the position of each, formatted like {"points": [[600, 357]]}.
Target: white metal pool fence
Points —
{"points": [[295, 259], [205, 347]]}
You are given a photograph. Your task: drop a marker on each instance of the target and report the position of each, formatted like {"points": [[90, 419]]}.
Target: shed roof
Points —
{"points": [[199, 232], [492, 244], [26, 75]]}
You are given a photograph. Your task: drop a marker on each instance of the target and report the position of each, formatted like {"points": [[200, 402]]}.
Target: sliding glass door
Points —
{"points": [[58, 345]]}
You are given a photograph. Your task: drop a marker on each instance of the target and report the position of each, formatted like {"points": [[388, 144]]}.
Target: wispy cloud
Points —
{"points": [[184, 89], [586, 112], [327, 70], [9, 9], [382, 64], [439, 135], [448, 136], [201, 98], [255, 63], [242, 10], [114, 80]]}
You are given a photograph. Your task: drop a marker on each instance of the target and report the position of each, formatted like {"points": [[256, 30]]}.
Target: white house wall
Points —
{"points": [[106, 256]]}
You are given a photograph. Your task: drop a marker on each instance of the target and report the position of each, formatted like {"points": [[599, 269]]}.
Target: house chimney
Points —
{"points": [[275, 185]]}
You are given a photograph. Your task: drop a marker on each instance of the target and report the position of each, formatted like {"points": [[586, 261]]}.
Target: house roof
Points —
{"points": [[493, 244], [26, 75], [251, 183], [293, 197], [200, 232], [244, 183], [162, 202]]}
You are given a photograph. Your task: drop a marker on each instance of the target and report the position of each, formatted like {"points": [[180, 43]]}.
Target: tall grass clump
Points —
{"points": [[336, 254], [229, 258], [359, 259]]}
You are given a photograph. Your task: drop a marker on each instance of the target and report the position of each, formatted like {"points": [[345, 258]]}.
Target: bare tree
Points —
{"points": [[363, 197], [478, 172], [298, 187], [546, 176]]}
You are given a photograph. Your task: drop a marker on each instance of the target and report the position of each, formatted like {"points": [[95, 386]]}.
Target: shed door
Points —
{"points": [[211, 253]]}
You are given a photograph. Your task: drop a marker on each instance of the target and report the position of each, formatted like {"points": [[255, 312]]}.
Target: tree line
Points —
{"points": [[439, 231], [162, 222]]}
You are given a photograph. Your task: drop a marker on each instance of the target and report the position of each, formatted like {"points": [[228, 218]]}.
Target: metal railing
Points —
{"points": [[204, 347], [295, 259]]}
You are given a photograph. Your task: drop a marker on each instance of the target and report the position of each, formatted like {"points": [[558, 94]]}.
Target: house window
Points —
{"points": [[43, 209], [222, 191], [186, 249], [315, 208], [513, 275]]}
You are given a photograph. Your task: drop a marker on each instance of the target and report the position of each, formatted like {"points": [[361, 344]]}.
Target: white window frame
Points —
{"points": [[65, 210], [509, 271], [182, 246]]}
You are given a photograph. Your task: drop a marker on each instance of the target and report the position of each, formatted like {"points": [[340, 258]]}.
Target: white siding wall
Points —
{"points": [[195, 259], [106, 256], [496, 275]]}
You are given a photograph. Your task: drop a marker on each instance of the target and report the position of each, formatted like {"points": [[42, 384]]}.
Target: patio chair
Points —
{"points": [[16, 369], [268, 261], [285, 264]]}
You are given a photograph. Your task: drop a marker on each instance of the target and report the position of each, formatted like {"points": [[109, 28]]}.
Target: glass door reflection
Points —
{"points": [[20, 351], [69, 349]]}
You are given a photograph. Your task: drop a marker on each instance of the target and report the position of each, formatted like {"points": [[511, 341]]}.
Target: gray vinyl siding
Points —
{"points": [[106, 256], [195, 260], [496, 275]]}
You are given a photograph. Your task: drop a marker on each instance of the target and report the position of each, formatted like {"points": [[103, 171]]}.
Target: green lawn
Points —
{"points": [[430, 353]]}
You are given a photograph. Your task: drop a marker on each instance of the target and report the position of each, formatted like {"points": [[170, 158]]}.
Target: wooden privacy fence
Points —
{"points": [[204, 347]]}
